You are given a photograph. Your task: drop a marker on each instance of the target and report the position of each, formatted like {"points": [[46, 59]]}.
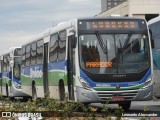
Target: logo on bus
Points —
{"points": [[36, 73]]}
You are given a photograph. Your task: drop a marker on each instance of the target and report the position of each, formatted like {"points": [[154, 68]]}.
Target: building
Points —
{"points": [[147, 9], [108, 4]]}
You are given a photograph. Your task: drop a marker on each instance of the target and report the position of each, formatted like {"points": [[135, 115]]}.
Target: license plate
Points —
{"points": [[117, 98]]}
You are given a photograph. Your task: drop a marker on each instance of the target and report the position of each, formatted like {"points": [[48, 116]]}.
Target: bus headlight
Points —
{"points": [[85, 84], [17, 85], [148, 82]]}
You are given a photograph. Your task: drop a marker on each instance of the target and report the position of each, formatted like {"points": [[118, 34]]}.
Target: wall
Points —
{"points": [[136, 8]]}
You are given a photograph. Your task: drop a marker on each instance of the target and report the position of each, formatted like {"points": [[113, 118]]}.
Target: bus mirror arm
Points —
{"points": [[73, 41], [152, 39], [152, 42]]}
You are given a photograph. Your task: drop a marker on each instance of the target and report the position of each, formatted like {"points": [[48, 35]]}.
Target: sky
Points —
{"points": [[20, 20]]}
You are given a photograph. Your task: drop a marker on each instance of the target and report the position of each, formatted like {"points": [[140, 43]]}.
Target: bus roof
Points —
{"points": [[110, 17], [156, 19], [52, 30]]}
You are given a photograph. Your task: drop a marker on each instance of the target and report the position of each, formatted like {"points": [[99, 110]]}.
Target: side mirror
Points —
{"points": [[152, 43], [73, 41], [71, 37], [152, 39]]}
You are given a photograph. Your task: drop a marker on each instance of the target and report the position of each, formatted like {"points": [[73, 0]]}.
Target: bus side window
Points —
{"points": [[28, 54], [39, 52], [8, 62], [53, 51], [4, 64], [33, 53], [62, 45], [151, 37], [23, 56]]}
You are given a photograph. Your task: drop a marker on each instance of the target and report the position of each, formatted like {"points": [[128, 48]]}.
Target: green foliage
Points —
{"points": [[118, 113], [61, 110]]}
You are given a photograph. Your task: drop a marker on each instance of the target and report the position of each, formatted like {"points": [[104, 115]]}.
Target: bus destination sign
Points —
{"points": [[112, 24], [98, 64]]}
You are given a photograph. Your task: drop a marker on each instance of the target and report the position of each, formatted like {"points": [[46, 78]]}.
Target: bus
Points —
{"points": [[10, 73], [92, 60], [154, 26]]}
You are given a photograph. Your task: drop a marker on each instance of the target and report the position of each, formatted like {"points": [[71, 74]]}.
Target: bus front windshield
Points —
{"points": [[114, 53], [16, 68]]}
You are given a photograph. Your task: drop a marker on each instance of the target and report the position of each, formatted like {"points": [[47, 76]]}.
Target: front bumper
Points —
{"points": [[87, 96]]}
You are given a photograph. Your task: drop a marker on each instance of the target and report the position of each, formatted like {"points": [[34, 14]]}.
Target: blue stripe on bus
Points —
{"points": [[9, 76], [27, 70], [17, 80], [122, 84], [60, 65]]}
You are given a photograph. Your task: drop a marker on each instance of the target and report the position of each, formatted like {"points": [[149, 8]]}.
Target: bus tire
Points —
{"points": [[61, 90], [34, 93], [125, 105]]}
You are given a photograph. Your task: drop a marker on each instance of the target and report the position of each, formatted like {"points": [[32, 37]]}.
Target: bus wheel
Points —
{"points": [[34, 93], [125, 105], [61, 90]]}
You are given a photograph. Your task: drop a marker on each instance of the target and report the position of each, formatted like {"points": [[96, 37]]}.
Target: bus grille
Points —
{"points": [[128, 95]]}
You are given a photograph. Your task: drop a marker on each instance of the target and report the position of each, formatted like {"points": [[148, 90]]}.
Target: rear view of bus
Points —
{"points": [[115, 61]]}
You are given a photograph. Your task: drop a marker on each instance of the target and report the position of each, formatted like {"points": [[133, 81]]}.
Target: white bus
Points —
{"points": [[93, 60], [10, 82], [154, 26]]}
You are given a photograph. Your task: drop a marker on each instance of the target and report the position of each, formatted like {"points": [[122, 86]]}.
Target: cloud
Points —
{"points": [[11, 39], [21, 19]]}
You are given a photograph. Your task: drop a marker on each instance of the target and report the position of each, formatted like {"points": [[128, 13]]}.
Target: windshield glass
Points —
{"points": [[114, 53], [16, 68]]}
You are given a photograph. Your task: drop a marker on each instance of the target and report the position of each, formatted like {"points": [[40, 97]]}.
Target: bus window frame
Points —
{"points": [[56, 49], [61, 40], [34, 55], [23, 56], [28, 55], [39, 56]]}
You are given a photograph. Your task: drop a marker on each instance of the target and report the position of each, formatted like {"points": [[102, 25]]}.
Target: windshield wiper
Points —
{"points": [[125, 44], [127, 40], [100, 40]]}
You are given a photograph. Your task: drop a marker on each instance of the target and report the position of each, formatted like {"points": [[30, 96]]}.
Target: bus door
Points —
{"points": [[45, 69], [71, 67]]}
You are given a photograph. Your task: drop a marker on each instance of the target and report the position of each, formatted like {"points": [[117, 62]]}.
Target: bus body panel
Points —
{"points": [[103, 90], [154, 25], [58, 70], [86, 96], [33, 74], [9, 72]]}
